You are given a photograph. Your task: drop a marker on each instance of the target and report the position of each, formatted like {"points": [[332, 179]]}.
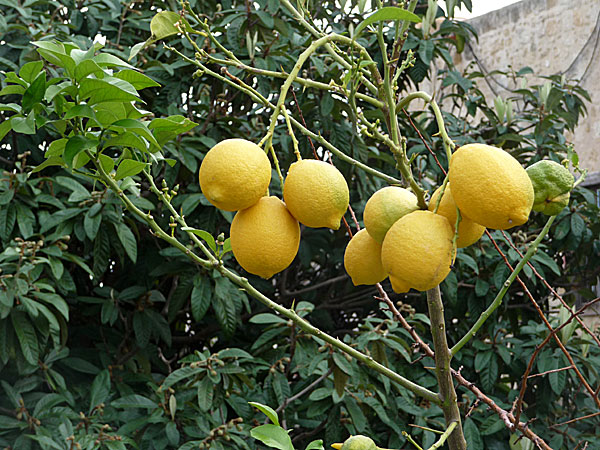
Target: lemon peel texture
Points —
{"points": [[490, 187], [469, 232], [385, 207], [552, 184], [235, 174], [316, 193], [417, 251], [265, 237], [359, 442], [362, 259]]}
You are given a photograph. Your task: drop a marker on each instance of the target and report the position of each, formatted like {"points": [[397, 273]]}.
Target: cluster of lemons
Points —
{"points": [[265, 232], [414, 248]]}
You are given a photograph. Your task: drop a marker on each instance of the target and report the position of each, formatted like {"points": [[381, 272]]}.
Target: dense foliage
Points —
{"points": [[110, 338]]}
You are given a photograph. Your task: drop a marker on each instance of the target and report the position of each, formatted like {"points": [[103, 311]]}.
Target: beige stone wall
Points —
{"points": [[550, 36]]}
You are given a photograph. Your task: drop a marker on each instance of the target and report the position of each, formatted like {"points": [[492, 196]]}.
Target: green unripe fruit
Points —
{"points": [[552, 184], [359, 442]]}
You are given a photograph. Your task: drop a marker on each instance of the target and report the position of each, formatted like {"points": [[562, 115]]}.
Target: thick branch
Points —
{"points": [[456, 439]]}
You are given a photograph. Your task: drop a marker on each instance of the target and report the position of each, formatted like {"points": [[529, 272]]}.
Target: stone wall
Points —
{"points": [[551, 37]]}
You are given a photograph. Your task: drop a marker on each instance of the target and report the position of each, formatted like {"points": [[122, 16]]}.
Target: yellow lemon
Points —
{"points": [[362, 259], [235, 174], [490, 186], [399, 286], [265, 237], [316, 193], [417, 251], [469, 232], [385, 207]]}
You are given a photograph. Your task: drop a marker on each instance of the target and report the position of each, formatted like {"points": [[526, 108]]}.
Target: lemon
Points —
{"points": [[385, 207], [417, 251], [490, 187], [552, 184], [235, 174], [469, 232], [362, 259], [398, 285], [359, 442], [316, 193], [265, 237]]}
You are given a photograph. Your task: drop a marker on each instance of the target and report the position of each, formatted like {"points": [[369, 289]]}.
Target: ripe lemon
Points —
{"points": [[469, 232], [362, 259], [398, 285], [552, 184], [235, 174], [417, 251], [359, 442], [385, 207], [265, 237], [316, 193], [490, 186]]}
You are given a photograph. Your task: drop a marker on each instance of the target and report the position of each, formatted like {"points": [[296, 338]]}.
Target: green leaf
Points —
{"points": [[5, 127], [52, 161], [167, 128], [80, 111], [200, 298], [210, 240], [24, 125], [76, 145], [137, 127], [577, 224], [128, 168], [55, 300], [226, 312], [267, 318], [387, 13], [315, 445], [134, 401], [358, 418], [162, 24], [100, 389], [272, 436], [26, 336], [472, 436], [25, 220], [267, 411], [481, 287], [56, 148], [127, 240], [106, 162], [142, 329], [102, 91], [34, 94], [86, 67], [31, 70], [136, 79], [205, 393]]}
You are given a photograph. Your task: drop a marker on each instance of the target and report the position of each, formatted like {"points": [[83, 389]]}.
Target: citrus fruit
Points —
{"points": [[235, 174], [552, 184], [398, 285], [362, 259], [490, 187], [316, 193], [417, 251], [359, 442], [469, 232], [265, 237], [385, 207]]}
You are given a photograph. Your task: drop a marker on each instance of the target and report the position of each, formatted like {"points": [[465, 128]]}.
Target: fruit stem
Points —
{"points": [[317, 137], [456, 439], [449, 144], [498, 300]]}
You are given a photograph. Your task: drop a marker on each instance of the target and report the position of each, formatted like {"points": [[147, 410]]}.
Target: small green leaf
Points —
{"points": [[128, 168], [31, 70], [162, 24], [267, 411], [75, 145], [34, 94], [272, 436], [136, 79], [386, 13], [200, 298], [80, 111], [100, 389], [52, 161], [24, 125], [210, 240], [26, 336], [127, 240], [134, 401], [205, 394]]}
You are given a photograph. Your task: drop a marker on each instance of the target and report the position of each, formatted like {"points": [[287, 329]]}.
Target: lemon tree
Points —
{"points": [[171, 301]]}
